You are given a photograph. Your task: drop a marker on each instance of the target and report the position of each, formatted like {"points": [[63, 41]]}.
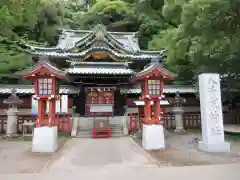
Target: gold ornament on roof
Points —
{"points": [[107, 94], [92, 94]]}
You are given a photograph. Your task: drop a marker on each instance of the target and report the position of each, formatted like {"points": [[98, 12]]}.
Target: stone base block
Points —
{"points": [[180, 130], [217, 147], [153, 137], [125, 131], [44, 139]]}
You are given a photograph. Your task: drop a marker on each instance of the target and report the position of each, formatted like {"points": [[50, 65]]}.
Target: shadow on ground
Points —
{"points": [[182, 150], [16, 156]]}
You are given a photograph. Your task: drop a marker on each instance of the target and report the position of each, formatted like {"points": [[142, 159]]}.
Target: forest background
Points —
{"points": [[199, 35]]}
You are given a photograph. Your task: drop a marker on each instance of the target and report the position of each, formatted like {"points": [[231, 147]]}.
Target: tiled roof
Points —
{"points": [[72, 38], [28, 89], [119, 44], [117, 68], [168, 89], [101, 70], [136, 56], [65, 89]]}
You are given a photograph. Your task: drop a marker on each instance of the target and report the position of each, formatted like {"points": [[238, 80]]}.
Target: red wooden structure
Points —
{"points": [[133, 122], [96, 131], [152, 80], [45, 78]]}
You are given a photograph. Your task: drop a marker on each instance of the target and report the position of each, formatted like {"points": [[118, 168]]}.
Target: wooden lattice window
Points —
{"points": [[45, 86], [154, 87]]}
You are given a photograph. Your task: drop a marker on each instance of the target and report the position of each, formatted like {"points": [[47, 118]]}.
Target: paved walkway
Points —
{"points": [[118, 159], [98, 154]]}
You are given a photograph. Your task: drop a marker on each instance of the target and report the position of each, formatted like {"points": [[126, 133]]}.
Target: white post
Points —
{"points": [[125, 122], [75, 121], [211, 115]]}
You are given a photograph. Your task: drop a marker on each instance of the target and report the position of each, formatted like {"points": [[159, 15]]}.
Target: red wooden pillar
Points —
{"points": [[147, 105], [41, 112], [147, 110], [157, 109], [157, 106], [130, 122], [52, 116]]}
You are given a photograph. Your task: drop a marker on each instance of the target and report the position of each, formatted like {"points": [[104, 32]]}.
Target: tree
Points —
{"points": [[25, 21], [206, 39], [115, 14]]}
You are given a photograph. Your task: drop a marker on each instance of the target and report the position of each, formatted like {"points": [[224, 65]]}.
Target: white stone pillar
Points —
{"points": [[11, 121], [125, 124], [45, 139], [75, 126], [153, 137], [211, 114], [178, 112]]}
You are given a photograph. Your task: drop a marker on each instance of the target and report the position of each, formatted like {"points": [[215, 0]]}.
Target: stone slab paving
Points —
{"points": [[89, 154], [15, 157], [114, 158], [218, 172]]}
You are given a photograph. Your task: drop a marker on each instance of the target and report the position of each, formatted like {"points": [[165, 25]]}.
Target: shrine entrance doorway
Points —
{"points": [[99, 101]]}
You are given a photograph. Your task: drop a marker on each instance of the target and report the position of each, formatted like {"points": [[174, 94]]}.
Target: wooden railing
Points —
{"points": [[191, 120], [62, 121]]}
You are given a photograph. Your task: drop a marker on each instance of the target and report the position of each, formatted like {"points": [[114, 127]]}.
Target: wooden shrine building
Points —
{"points": [[100, 66]]}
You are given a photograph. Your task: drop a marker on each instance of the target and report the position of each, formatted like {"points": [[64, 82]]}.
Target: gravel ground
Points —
{"points": [[16, 157], [182, 151]]}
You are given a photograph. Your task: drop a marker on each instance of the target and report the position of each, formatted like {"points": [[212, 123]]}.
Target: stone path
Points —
{"points": [[97, 154], [118, 159]]}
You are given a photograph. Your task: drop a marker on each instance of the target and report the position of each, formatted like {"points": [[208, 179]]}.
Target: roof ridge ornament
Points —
{"points": [[100, 32]]}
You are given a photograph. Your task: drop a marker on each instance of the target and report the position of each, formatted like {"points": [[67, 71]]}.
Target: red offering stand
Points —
{"points": [[101, 128], [95, 132]]}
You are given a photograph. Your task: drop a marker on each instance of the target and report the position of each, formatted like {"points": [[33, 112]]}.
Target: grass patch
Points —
{"points": [[19, 137], [232, 136]]}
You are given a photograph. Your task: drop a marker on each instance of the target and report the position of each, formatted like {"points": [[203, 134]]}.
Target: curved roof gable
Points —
{"points": [[43, 65], [76, 43], [155, 70]]}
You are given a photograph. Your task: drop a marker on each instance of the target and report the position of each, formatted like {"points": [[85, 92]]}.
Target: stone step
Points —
{"points": [[112, 130], [116, 130], [88, 133]]}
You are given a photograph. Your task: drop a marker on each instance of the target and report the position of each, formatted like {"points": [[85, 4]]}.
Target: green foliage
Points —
{"points": [[25, 21], [206, 39], [199, 35]]}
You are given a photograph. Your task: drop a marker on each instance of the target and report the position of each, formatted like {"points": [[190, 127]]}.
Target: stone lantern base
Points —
{"points": [[178, 111], [11, 122], [45, 139], [153, 137]]}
